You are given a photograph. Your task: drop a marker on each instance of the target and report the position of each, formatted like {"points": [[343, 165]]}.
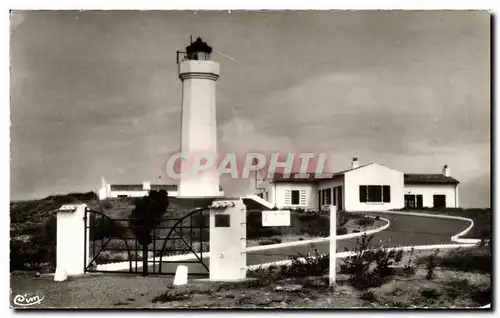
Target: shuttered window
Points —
{"points": [[295, 197], [386, 191], [374, 193], [363, 192]]}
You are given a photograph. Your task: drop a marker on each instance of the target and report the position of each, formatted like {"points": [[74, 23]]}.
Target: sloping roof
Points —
{"points": [[296, 177], [138, 187], [420, 178], [409, 178]]}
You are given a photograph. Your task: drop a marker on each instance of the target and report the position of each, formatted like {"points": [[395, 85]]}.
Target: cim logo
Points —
{"points": [[27, 300]]}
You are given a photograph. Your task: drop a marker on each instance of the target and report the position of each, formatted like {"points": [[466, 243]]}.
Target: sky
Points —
{"points": [[96, 94]]}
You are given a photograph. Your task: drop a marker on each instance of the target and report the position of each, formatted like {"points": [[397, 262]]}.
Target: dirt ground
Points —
{"points": [[121, 291]]}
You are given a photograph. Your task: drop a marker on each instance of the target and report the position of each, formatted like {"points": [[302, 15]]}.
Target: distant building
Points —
{"points": [[136, 190], [370, 187]]}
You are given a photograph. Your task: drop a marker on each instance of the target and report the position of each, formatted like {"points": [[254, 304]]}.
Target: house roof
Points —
{"points": [[296, 177], [420, 178], [409, 178], [138, 187]]}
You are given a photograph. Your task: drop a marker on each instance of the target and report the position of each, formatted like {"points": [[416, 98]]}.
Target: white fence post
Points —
{"points": [[333, 245], [228, 259], [70, 244]]}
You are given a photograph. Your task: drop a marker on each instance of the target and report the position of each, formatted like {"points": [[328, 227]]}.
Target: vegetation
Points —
{"points": [[464, 260], [148, 210], [369, 267]]}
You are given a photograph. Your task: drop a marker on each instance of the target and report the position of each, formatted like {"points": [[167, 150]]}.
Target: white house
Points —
{"points": [[136, 190], [370, 187]]}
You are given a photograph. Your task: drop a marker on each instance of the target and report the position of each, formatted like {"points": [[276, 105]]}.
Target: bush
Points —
{"points": [[431, 264], [341, 231], [409, 268], [274, 240], [429, 293], [313, 264], [102, 227], [471, 260], [368, 295], [362, 275], [365, 221], [481, 294], [38, 249], [170, 295]]}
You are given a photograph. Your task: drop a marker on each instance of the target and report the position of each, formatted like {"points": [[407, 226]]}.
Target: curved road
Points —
{"points": [[404, 230]]}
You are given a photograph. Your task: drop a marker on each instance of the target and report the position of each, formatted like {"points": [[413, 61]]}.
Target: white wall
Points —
{"points": [[373, 174], [282, 188], [428, 190]]}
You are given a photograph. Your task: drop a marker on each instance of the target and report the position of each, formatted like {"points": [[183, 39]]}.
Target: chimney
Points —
{"points": [[446, 171], [146, 185], [354, 163]]}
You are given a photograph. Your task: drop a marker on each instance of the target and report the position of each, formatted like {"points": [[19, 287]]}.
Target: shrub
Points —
{"points": [[429, 293], [365, 221], [430, 265], [274, 240], [313, 264], [409, 268], [481, 294], [38, 249], [170, 295], [362, 275], [470, 260], [368, 295], [341, 231]]}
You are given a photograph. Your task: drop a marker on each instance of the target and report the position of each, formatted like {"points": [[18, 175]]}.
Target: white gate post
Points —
{"points": [[333, 245], [70, 243], [228, 257]]}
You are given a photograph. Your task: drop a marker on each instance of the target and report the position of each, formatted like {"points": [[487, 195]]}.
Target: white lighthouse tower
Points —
{"points": [[199, 131]]}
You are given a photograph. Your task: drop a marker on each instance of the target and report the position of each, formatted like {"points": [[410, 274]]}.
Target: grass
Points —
{"points": [[464, 260]]}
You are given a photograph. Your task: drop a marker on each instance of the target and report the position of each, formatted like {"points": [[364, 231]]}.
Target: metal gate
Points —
{"points": [[181, 240]]}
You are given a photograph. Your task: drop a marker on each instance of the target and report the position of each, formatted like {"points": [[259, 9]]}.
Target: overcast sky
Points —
{"points": [[96, 93]]}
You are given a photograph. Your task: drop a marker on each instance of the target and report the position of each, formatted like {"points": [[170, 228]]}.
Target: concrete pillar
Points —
{"points": [[199, 131], [70, 254], [228, 241], [333, 245]]}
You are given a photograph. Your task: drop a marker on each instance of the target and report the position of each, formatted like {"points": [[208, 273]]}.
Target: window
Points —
{"points": [[328, 196], [122, 196], [374, 193], [334, 189], [295, 197], [386, 191], [439, 201]]}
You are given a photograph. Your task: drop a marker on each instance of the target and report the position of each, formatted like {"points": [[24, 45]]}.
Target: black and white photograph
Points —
{"points": [[250, 159]]}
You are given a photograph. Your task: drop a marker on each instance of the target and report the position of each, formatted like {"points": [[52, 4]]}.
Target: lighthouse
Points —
{"points": [[198, 75]]}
